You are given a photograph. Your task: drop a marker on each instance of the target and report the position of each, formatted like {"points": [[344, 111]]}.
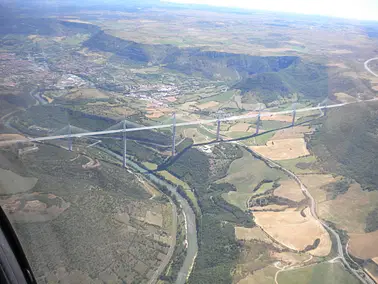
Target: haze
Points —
{"points": [[361, 10]]}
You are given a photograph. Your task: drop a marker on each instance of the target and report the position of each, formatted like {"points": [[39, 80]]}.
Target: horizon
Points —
{"points": [[364, 10]]}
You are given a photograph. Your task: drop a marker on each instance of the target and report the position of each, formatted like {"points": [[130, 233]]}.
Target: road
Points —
{"points": [[368, 68], [197, 122], [367, 279]]}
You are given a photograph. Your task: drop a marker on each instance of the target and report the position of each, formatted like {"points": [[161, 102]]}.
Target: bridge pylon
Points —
{"points": [[69, 138], [218, 128], [124, 144], [294, 114], [258, 122], [174, 135]]}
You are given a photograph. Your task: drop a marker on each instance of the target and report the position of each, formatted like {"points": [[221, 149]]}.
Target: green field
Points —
{"points": [[259, 140], [245, 174], [168, 176], [308, 163], [223, 97], [325, 273]]}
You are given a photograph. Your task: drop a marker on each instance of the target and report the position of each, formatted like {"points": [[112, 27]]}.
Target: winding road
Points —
{"points": [[366, 279], [366, 64]]}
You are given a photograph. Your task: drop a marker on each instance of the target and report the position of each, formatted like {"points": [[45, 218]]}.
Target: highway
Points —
{"points": [[368, 68], [196, 122]]}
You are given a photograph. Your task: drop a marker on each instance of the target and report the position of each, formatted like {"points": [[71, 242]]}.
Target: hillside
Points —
{"points": [[347, 144], [74, 212]]}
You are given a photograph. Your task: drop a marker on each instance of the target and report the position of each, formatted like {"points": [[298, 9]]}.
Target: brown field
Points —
{"points": [[254, 233], [289, 189], [154, 218], [154, 114], [294, 132], [364, 246], [314, 182], [294, 231], [271, 116], [8, 137], [349, 210], [283, 149], [170, 99], [210, 104], [240, 127], [345, 98], [269, 207], [86, 94]]}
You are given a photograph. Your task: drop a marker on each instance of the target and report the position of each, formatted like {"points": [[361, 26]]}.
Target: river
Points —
{"points": [[190, 218]]}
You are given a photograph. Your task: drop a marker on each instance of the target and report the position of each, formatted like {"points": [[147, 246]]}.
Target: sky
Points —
{"points": [[353, 9]]}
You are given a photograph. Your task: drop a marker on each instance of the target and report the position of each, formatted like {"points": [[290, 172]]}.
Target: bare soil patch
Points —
{"points": [[290, 258], [289, 189], [294, 231], [364, 246], [33, 207], [283, 149]]}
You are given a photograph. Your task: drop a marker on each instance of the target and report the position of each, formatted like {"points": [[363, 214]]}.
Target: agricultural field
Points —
{"points": [[245, 174], [289, 189], [283, 149], [294, 231], [90, 68], [320, 273]]}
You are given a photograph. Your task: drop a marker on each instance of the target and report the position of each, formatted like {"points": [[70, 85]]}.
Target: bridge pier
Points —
{"points": [[325, 109], [124, 144], [258, 123], [69, 138], [174, 135], [218, 129], [294, 114]]}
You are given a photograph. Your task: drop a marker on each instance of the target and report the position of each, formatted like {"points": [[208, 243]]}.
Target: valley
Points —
{"points": [[248, 154]]}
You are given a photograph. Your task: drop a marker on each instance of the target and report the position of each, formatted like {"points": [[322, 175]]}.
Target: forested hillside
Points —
{"points": [[347, 143]]}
